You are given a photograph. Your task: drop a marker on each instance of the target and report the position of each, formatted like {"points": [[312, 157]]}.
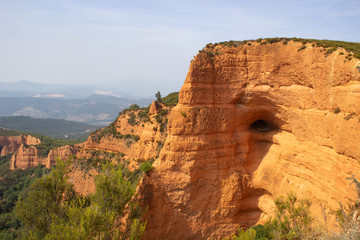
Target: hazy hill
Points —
{"points": [[31, 89], [58, 128], [97, 109]]}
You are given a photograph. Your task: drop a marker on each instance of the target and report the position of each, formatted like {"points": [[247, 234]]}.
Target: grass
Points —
{"points": [[330, 45]]}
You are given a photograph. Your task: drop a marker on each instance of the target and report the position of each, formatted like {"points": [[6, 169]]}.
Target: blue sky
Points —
{"points": [[142, 46]]}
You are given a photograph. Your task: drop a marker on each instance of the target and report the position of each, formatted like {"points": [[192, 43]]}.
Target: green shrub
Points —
{"points": [[135, 138], [163, 112], [146, 166], [183, 114], [330, 45], [350, 228], [134, 106], [162, 126], [158, 118], [52, 210], [336, 110], [49, 143], [128, 142], [210, 53], [132, 120], [302, 48], [14, 183], [249, 234], [292, 221], [143, 115], [171, 99], [350, 115], [158, 96], [330, 50]]}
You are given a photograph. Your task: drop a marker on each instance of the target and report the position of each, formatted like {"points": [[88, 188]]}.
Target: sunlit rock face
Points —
{"points": [[11, 143], [255, 122]]}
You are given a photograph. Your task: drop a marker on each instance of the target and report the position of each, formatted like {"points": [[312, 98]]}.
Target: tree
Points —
{"points": [[134, 106], [52, 210], [45, 202], [158, 96]]}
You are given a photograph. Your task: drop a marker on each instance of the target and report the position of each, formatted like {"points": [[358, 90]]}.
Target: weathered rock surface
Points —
{"points": [[60, 152], [144, 139], [154, 108], [28, 157], [12, 143], [139, 141], [255, 122]]}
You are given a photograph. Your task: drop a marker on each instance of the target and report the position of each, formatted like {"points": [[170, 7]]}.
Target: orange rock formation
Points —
{"points": [[154, 108], [149, 133], [12, 143], [255, 122], [28, 157], [149, 137], [61, 152]]}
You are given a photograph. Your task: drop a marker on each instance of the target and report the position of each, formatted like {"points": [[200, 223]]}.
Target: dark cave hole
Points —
{"points": [[261, 126]]}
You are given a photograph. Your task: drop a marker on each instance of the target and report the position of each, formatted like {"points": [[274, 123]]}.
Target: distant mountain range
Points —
{"points": [[74, 103], [32, 89]]}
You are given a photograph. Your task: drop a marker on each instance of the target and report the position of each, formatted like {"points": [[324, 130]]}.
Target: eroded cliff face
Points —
{"points": [[26, 157], [12, 143], [255, 122], [63, 152], [136, 134], [29, 157]]}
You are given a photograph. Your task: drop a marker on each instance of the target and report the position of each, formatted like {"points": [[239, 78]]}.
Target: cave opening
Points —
{"points": [[261, 126]]}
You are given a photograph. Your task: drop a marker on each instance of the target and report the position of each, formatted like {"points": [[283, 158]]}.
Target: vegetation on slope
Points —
{"points": [[136, 116], [49, 143], [171, 99], [13, 184], [8, 132], [51, 209], [330, 45], [293, 221], [49, 127], [99, 157]]}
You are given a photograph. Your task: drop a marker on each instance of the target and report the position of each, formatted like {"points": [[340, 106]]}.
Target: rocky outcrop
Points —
{"points": [[255, 122], [60, 152], [5, 150], [12, 143], [30, 140], [142, 139], [154, 108], [134, 137], [26, 157]]}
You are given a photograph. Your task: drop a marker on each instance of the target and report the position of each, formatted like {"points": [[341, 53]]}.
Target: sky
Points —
{"points": [[145, 46]]}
